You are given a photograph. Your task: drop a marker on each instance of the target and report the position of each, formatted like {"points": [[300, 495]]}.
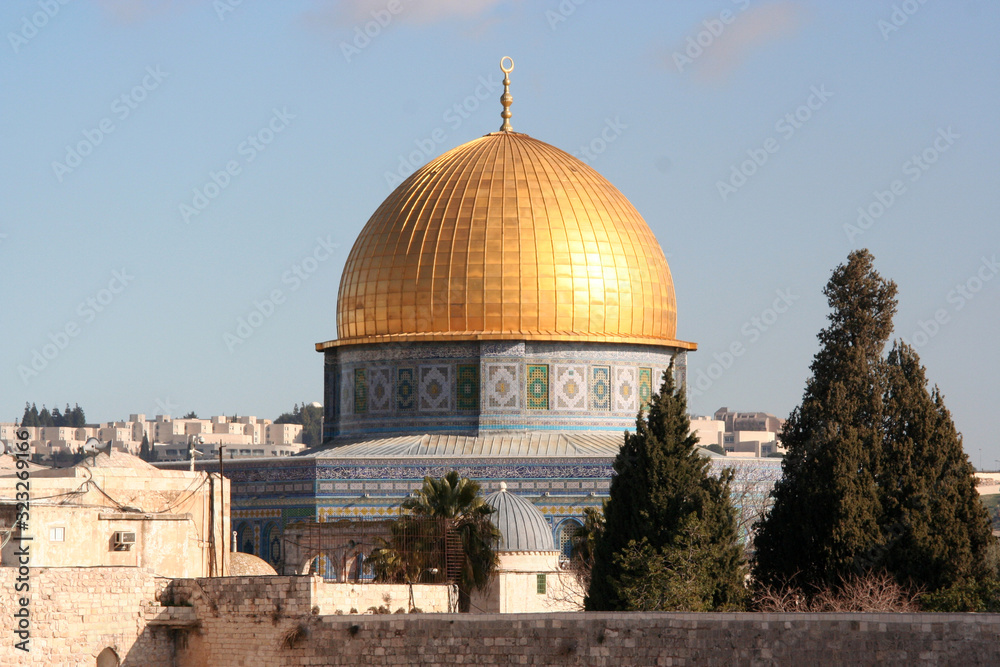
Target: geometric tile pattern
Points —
{"points": [[435, 388], [538, 387], [600, 388], [645, 386], [406, 389], [346, 393], [625, 389], [360, 391], [380, 389], [502, 386], [467, 384], [569, 387]]}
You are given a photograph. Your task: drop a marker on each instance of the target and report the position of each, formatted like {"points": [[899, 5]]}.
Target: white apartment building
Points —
{"points": [[241, 436], [741, 434]]}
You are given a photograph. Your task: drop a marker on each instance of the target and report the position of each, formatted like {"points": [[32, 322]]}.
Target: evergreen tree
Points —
{"points": [[311, 419], [824, 522], [57, 417], [44, 417], [27, 419], [34, 416], [79, 419], [937, 532], [146, 451], [669, 539]]}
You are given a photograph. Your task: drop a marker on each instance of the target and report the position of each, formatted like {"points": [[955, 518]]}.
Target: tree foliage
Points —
{"points": [[875, 479], [419, 544], [72, 417], [669, 539], [146, 450], [311, 419], [826, 508], [937, 531]]}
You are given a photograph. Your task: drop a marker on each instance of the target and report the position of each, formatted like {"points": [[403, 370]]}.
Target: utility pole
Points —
{"points": [[222, 514]]}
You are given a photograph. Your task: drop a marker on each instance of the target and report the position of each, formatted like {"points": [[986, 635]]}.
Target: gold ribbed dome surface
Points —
{"points": [[506, 237]]}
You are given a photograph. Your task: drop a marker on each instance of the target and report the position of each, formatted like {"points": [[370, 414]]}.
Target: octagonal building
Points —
{"points": [[503, 290]]}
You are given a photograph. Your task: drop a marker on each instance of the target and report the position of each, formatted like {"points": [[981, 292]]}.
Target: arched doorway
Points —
{"points": [[108, 658]]}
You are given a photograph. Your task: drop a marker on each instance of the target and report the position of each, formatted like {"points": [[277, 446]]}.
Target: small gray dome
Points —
{"points": [[523, 527]]}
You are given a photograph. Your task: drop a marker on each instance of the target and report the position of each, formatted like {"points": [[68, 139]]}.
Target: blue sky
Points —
{"points": [[748, 134]]}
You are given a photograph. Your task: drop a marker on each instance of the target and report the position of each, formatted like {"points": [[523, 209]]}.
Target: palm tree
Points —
{"points": [[458, 501]]}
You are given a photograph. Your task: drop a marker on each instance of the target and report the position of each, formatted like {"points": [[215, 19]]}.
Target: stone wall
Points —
{"points": [[247, 621], [600, 639], [77, 612]]}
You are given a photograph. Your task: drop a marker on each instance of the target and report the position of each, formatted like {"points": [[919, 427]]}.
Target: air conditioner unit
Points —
{"points": [[124, 539]]}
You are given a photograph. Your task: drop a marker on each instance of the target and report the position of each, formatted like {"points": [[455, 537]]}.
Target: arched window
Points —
{"points": [[567, 529], [324, 566], [244, 538], [270, 543]]}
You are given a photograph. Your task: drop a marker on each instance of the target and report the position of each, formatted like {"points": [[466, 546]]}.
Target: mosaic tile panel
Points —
{"points": [[467, 383], [645, 386], [600, 388], [501, 386], [435, 388], [658, 379], [569, 387], [625, 390], [346, 392], [680, 369], [406, 389], [360, 391], [537, 393], [380, 389]]}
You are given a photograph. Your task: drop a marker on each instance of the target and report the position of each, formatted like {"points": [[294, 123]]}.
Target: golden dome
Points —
{"points": [[506, 237]]}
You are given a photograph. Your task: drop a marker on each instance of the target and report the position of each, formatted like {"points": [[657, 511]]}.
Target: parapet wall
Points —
{"points": [[591, 639], [281, 597], [74, 613], [247, 621]]}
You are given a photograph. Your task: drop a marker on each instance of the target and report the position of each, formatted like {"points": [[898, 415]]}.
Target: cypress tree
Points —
{"points": [[937, 532], [669, 540], [824, 523], [146, 452]]}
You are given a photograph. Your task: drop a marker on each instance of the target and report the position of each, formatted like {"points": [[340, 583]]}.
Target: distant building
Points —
{"points": [[745, 434], [749, 421], [242, 436]]}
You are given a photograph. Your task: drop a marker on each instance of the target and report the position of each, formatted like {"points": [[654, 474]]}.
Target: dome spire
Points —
{"points": [[506, 100]]}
